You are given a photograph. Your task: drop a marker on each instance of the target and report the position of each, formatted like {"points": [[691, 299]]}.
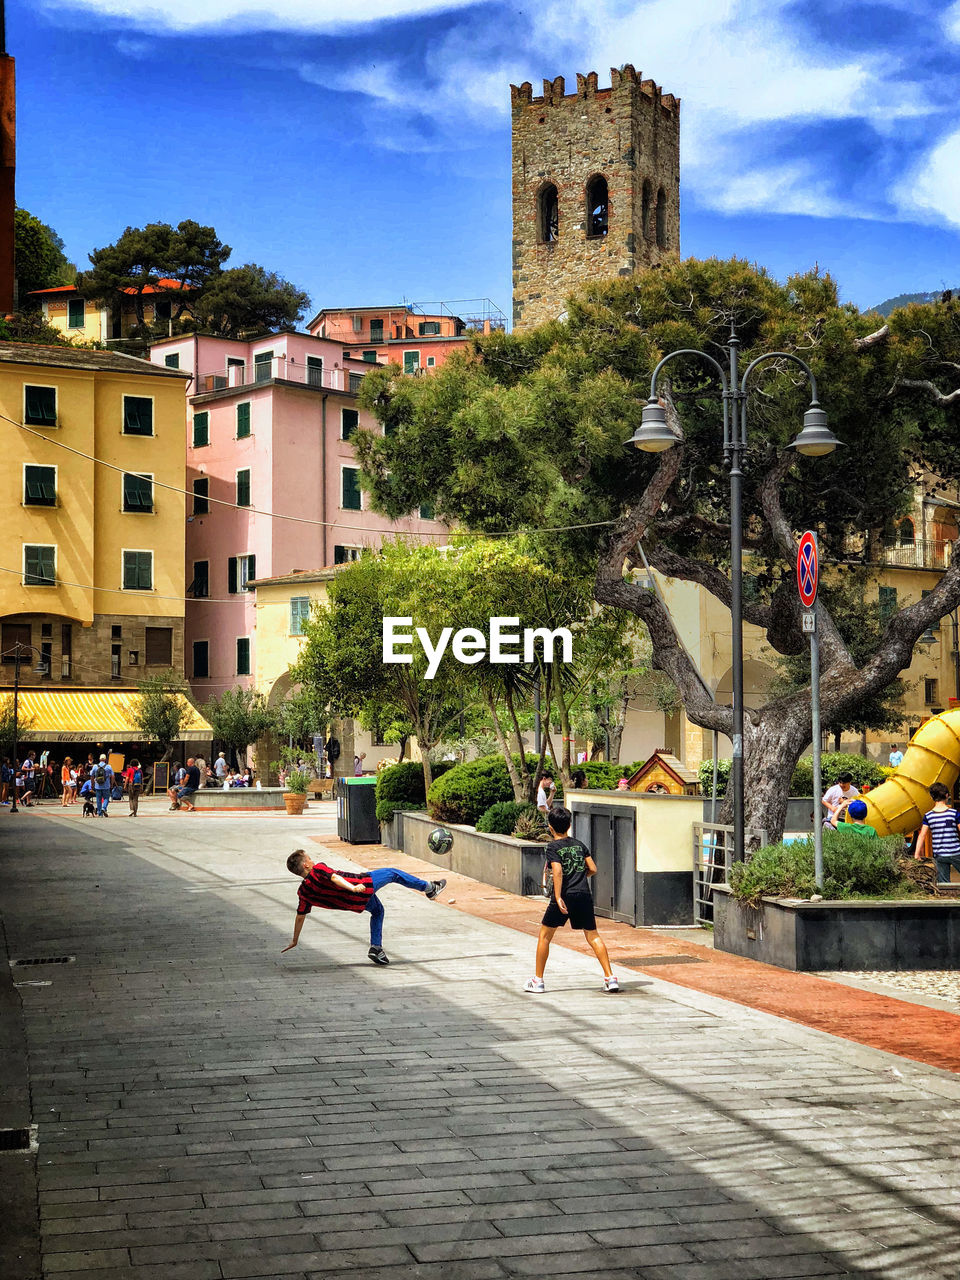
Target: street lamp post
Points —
{"points": [[815, 439], [41, 669]]}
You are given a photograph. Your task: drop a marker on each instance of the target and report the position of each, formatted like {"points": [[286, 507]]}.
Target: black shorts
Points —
{"points": [[580, 913]]}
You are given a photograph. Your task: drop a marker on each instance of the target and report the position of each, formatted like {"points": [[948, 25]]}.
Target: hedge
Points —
{"points": [[832, 764], [501, 818], [467, 791], [400, 786], [853, 866]]}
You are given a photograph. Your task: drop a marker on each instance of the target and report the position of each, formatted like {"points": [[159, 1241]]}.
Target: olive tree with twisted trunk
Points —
{"points": [[529, 431]]}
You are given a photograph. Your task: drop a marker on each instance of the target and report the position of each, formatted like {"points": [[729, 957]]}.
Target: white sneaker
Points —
{"points": [[534, 985], [611, 983]]}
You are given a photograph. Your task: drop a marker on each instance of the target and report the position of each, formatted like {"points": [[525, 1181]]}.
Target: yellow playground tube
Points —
{"points": [[898, 805]]}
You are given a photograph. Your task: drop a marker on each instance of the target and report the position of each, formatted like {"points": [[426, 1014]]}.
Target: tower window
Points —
{"points": [[548, 214], [646, 209], [598, 210], [661, 219]]}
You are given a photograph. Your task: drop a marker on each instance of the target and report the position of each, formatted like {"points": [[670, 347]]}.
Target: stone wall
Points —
{"points": [[91, 662], [629, 134]]}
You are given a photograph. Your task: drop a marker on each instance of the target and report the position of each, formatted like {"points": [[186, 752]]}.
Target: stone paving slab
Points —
{"points": [[210, 1108]]}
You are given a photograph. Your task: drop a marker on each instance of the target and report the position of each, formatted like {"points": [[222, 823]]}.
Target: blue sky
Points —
{"points": [[368, 159]]}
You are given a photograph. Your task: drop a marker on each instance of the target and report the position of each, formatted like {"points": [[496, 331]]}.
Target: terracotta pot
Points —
{"points": [[294, 801]]}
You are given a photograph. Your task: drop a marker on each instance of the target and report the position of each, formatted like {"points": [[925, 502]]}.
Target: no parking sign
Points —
{"points": [[808, 569]]}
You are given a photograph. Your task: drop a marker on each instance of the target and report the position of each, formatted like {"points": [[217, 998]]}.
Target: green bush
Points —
{"points": [[501, 818], [468, 790], [400, 786], [603, 775], [387, 808], [832, 764], [853, 866]]}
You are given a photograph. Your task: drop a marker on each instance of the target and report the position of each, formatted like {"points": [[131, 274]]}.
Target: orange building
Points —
{"points": [[413, 337]]}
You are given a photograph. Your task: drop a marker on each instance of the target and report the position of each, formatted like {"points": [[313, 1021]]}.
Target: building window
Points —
{"points": [[243, 420], [548, 214], [314, 371], [646, 210], [200, 586], [888, 603], [158, 650], [201, 429], [137, 492], [906, 533], [66, 650], [39, 486], [39, 565], [355, 382], [116, 657], [75, 313], [411, 361], [40, 406], [427, 328], [137, 416], [262, 366], [376, 330], [598, 208], [243, 655], [370, 357], [299, 614], [431, 361], [138, 570], [116, 633], [426, 511], [661, 219], [172, 361], [201, 659], [11, 635], [929, 691], [201, 496], [162, 309], [243, 487], [241, 570], [349, 422], [345, 555], [350, 499]]}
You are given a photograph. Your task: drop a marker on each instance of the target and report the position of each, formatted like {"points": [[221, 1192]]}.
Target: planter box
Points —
{"points": [[244, 798], [839, 935], [514, 865]]}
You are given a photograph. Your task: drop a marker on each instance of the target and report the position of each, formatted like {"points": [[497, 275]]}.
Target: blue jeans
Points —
{"points": [[383, 876], [103, 798], [943, 867]]}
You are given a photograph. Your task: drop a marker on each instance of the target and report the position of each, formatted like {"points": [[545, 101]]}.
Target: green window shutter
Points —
{"points": [[201, 429], [232, 576], [38, 566], [888, 603], [138, 570], [199, 588], [351, 489], [243, 656], [75, 313], [243, 488], [172, 361], [40, 487], [370, 357], [40, 406], [411, 361], [251, 569], [243, 420], [349, 422], [137, 416], [137, 492], [201, 659], [201, 492]]}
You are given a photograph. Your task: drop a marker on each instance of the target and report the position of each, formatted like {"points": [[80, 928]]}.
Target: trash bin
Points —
{"points": [[357, 810]]}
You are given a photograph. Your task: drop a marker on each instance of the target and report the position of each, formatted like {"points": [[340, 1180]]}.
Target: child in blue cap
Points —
{"points": [[856, 812]]}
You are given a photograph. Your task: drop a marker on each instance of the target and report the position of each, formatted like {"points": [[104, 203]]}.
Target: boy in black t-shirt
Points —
{"points": [[570, 866]]}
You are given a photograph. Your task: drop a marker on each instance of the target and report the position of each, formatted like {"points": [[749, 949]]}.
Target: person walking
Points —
{"points": [[350, 891], [65, 782], [101, 775], [7, 774], [133, 776], [940, 834], [571, 866]]}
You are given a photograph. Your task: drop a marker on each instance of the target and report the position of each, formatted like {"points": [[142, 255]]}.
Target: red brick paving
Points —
{"points": [[931, 1036]]}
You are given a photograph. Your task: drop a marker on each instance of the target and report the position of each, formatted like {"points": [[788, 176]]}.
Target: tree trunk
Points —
{"points": [[565, 766], [518, 733], [519, 788], [772, 746]]}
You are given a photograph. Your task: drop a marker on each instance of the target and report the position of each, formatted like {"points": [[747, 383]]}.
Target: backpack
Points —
{"points": [[99, 775], [137, 777]]}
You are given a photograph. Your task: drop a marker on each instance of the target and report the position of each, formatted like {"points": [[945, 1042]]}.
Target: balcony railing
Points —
{"points": [[281, 369], [922, 554]]}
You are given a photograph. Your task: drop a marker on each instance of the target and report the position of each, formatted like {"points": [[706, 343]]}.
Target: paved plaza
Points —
{"points": [[210, 1108]]}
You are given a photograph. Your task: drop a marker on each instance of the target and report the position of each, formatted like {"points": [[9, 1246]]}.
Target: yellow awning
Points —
{"points": [[90, 715]]}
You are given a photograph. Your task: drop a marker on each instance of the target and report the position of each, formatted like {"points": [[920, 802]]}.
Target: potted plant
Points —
{"points": [[295, 795]]}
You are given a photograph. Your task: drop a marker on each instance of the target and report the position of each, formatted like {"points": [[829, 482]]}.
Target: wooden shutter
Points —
{"points": [[243, 488], [243, 656], [201, 658], [159, 646], [349, 421], [40, 486], [243, 420], [201, 490], [232, 576], [201, 429], [137, 416], [40, 406], [137, 492], [251, 569], [172, 361]]}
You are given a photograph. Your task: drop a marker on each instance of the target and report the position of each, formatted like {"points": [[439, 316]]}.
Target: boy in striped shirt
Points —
{"points": [[940, 834], [350, 891]]}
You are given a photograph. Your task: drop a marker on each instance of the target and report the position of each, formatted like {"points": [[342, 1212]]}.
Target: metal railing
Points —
{"points": [[712, 856], [921, 554], [281, 369]]}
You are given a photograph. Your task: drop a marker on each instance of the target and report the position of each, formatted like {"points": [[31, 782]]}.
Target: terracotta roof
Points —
{"points": [[163, 285], [298, 575], [81, 358]]}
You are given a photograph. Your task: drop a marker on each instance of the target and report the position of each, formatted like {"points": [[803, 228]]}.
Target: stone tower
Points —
{"points": [[596, 187]]}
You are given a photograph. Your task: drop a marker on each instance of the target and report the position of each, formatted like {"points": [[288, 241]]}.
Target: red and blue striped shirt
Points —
{"points": [[318, 890]]}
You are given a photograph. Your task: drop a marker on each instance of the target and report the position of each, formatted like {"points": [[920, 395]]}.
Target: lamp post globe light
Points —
{"points": [[814, 440], [17, 654]]}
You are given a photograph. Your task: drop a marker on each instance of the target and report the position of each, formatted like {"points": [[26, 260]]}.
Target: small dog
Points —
{"points": [[89, 809]]}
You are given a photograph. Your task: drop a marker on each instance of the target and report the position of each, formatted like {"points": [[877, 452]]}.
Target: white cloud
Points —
{"points": [[951, 21], [255, 15], [133, 47], [932, 189]]}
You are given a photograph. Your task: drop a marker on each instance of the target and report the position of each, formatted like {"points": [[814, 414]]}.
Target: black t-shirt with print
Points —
{"points": [[571, 854]]}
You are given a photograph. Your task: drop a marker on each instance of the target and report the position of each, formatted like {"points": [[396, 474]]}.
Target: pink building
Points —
{"points": [[269, 428], [414, 338]]}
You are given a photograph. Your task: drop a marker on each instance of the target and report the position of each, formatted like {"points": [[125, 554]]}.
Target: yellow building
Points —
{"points": [[91, 552], [83, 321]]}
